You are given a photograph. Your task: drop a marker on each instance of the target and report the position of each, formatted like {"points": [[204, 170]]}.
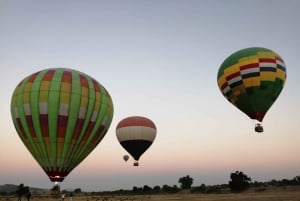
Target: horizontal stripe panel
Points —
{"points": [[136, 133], [267, 65], [136, 121]]}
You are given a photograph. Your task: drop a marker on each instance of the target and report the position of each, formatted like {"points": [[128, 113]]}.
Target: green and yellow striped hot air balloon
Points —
{"points": [[252, 79], [61, 115]]}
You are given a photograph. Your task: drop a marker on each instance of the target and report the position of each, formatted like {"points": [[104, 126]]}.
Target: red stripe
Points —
{"points": [[32, 77], [22, 132], [88, 131], [233, 76], [267, 60], [48, 76], [67, 77], [62, 126], [136, 121], [79, 125], [44, 124], [224, 86], [83, 81], [96, 86], [253, 65], [30, 126]]}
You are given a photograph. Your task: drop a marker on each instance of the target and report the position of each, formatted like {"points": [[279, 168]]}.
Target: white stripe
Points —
{"points": [[43, 108], [226, 89], [63, 109], [94, 116], [82, 112], [136, 133], [235, 79], [27, 109], [16, 112], [266, 64], [249, 70], [280, 63]]}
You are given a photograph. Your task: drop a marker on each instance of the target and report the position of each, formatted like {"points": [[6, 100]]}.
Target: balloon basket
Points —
{"points": [[259, 128], [136, 163]]}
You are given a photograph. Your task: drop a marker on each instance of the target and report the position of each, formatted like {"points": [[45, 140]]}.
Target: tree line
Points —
{"points": [[238, 182]]}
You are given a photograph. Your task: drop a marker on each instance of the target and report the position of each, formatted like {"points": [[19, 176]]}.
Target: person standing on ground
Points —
{"points": [[70, 196]]}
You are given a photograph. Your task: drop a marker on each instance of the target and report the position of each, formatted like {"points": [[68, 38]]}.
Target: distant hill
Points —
{"points": [[11, 188]]}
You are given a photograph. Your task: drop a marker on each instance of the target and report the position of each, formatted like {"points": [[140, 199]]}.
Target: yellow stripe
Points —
{"points": [[43, 97], [84, 92], [280, 74], [232, 69], [83, 102], [98, 101], [221, 81], [64, 97], [26, 97], [248, 60], [66, 87], [27, 87], [251, 82], [269, 55], [267, 76], [45, 85]]}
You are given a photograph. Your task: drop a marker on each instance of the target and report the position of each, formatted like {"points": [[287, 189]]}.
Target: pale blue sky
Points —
{"points": [[158, 59]]}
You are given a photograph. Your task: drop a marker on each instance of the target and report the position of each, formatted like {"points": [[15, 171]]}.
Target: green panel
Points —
{"points": [[35, 113], [98, 122], [258, 99], [29, 143], [53, 111], [74, 107], [90, 110]]}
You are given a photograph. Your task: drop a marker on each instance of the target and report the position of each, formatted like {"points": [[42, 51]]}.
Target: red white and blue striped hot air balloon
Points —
{"points": [[136, 134]]}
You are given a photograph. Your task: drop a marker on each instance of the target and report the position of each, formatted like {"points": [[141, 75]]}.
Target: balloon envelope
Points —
{"points": [[252, 79], [61, 115], [136, 134], [125, 157]]}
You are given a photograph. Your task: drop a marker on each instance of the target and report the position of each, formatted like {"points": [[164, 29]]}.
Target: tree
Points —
{"points": [[156, 189], [186, 182], [296, 180], [77, 190], [239, 181], [146, 188]]}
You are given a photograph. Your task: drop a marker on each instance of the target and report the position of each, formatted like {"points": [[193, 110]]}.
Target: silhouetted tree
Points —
{"points": [[296, 180], [146, 188], [239, 181], [156, 189], [199, 189], [186, 182], [77, 190]]}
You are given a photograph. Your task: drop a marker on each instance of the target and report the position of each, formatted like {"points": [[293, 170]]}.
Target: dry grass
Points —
{"points": [[270, 194]]}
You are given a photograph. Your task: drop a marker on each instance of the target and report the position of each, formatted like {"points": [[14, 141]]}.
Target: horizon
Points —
{"points": [[157, 59]]}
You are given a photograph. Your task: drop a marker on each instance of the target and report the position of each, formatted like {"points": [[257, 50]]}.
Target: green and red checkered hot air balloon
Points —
{"points": [[61, 115], [252, 79]]}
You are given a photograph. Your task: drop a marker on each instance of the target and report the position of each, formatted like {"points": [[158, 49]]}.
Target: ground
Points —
{"points": [[290, 193]]}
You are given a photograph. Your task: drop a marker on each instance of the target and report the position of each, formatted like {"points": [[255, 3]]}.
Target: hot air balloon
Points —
{"points": [[252, 79], [125, 157], [61, 115], [136, 134]]}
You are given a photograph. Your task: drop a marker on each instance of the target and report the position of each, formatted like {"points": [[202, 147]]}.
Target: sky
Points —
{"points": [[157, 59]]}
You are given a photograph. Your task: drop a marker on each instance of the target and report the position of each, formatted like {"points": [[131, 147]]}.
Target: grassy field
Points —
{"points": [[270, 194]]}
